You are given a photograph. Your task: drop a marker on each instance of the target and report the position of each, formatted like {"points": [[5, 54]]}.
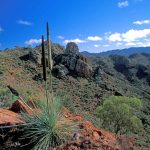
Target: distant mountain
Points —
{"points": [[126, 52]]}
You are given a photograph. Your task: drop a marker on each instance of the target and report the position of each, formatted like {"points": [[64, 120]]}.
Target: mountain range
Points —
{"points": [[125, 52]]}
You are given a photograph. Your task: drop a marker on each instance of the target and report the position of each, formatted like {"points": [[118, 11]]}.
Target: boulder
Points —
{"points": [[67, 60], [61, 71], [35, 57], [19, 106], [72, 48], [8, 117], [73, 61], [83, 69]]}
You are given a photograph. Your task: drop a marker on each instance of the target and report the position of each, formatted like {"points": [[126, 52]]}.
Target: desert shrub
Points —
{"points": [[120, 114], [1, 69], [6, 98], [48, 128], [93, 119], [66, 101]]}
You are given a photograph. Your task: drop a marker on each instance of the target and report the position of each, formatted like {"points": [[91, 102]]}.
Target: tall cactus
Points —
{"points": [[44, 60]]}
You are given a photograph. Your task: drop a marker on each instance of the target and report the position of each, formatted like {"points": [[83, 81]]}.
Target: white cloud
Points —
{"points": [[78, 41], [141, 22], [147, 40], [106, 45], [94, 38], [129, 36], [133, 35], [119, 44], [146, 44], [130, 44], [96, 45], [107, 33], [1, 29], [60, 37], [33, 41], [138, 44], [115, 37], [123, 4], [24, 22]]}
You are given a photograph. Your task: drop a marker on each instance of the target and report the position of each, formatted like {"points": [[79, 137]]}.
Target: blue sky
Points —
{"points": [[95, 25]]}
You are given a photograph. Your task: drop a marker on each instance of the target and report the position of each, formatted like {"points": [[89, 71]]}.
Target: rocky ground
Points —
{"points": [[82, 83], [88, 137]]}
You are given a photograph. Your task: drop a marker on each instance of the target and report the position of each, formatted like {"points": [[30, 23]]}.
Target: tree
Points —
{"points": [[120, 114]]}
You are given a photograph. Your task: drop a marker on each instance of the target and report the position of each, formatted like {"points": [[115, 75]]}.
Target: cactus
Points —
{"points": [[44, 60]]}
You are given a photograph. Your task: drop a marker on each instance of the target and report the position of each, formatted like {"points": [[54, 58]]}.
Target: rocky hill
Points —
{"points": [[83, 83]]}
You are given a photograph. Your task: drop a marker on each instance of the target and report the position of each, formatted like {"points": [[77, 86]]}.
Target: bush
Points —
{"points": [[120, 114], [6, 98], [1, 69], [48, 128]]}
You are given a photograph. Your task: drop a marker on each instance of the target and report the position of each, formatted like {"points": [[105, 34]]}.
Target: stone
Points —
{"points": [[72, 48], [69, 61], [83, 69], [96, 136], [19, 106], [35, 57], [8, 117], [61, 71]]}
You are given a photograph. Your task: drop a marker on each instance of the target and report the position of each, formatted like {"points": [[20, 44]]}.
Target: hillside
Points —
{"points": [[125, 52], [82, 83]]}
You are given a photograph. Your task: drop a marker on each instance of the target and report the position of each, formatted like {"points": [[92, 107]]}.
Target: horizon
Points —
{"points": [[98, 27]]}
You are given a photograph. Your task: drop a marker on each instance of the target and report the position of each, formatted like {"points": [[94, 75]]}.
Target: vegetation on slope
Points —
{"points": [[120, 114], [114, 75]]}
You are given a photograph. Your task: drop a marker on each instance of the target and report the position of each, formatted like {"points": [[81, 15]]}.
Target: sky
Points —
{"points": [[95, 25]]}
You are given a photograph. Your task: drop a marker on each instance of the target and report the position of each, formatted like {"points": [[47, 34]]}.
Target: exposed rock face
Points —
{"points": [[68, 60], [83, 69], [61, 71], [92, 138], [9, 118], [19, 106], [35, 56], [72, 49], [74, 62], [75, 65]]}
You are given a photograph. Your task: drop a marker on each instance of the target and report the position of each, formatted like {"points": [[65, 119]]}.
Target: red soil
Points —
{"points": [[9, 118], [92, 138]]}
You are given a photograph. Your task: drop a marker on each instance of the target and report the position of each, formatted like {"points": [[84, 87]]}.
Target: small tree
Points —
{"points": [[120, 114]]}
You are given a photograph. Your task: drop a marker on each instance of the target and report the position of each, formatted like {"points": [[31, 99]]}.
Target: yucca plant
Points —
{"points": [[44, 60], [50, 61], [47, 128]]}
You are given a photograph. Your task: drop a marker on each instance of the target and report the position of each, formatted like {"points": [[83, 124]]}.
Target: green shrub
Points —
{"points": [[6, 98], [120, 114], [66, 101], [1, 69], [47, 128]]}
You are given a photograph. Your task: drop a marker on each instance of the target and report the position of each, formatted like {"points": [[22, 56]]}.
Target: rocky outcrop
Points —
{"points": [[19, 106], [83, 69], [87, 136], [92, 138], [67, 60], [72, 49], [61, 71], [35, 56], [8, 117], [73, 61]]}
